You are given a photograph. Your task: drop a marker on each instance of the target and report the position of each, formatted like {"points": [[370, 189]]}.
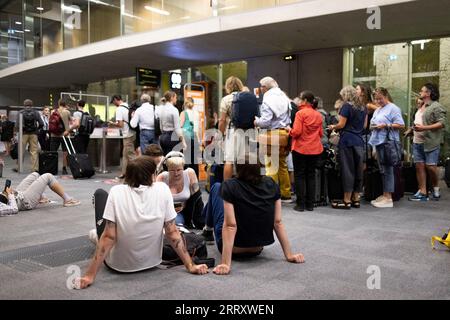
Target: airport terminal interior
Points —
{"points": [[54, 51]]}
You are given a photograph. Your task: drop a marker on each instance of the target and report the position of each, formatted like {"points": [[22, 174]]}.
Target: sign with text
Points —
{"points": [[148, 77]]}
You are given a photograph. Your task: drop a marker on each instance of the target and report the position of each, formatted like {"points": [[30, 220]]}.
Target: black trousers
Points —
{"points": [[193, 211], [44, 141], [191, 161], [81, 143], [166, 142], [304, 175]]}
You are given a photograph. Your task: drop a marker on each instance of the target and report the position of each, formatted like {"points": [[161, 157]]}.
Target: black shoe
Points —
{"points": [[208, 235], [64, 171], [299, 208], [309, 208]]}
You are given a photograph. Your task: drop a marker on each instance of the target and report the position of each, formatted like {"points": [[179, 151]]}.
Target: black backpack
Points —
{"points": [[195, 245], [29, 121], [87, 124], [244, 110]]}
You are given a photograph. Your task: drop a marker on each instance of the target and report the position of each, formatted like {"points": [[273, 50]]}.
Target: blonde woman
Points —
{"points": [[183, 185], [352, 121], [190, 123]]}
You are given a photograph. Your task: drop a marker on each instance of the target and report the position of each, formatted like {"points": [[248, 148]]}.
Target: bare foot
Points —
{"points": [[44, 200]]}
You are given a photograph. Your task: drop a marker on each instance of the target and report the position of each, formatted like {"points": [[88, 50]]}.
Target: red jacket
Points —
{"points": [[307, 131]]}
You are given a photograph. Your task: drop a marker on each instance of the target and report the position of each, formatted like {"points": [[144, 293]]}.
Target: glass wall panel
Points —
{"points": [[76, 23], [50, 15], [144, 15], [11, 34], [104, 19], [388, 65]]}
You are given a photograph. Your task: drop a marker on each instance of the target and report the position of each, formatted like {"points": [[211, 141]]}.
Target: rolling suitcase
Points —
{"points": [[321, 192], [99, 201], [334, 184], [79, 163], [373, 183], [48, 162], [410, 178], [399, 184]]}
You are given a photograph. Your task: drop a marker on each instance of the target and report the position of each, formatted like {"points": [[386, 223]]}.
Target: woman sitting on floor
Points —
{"points": [[185, 190], [244, 212]]}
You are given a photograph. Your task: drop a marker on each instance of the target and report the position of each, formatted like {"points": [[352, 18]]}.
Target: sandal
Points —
{"points": [[356, 204], [341, 205]]}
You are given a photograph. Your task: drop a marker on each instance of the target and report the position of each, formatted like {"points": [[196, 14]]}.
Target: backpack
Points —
{"points": [[194, 243], [87, 124], [293, 111], [29, 121], [131, 110], [244, 110], [56, 124], [188, 127]]}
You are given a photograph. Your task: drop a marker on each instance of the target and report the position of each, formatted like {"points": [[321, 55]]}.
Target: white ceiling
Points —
{"points": [[400, 22]]}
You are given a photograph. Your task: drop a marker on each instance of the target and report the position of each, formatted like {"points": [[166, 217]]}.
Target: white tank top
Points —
{"points": [[185, 194]]}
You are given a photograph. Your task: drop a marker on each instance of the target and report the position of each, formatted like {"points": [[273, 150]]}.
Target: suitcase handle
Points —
{"points": [[67, 147]]}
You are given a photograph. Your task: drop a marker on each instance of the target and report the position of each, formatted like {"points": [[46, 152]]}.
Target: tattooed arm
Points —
{"points": [[104, 245], [193, 181], [177, 243]]}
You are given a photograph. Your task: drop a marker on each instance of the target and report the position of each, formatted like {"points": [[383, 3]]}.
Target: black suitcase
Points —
{"points": [[79, 163], [399, 184], [321, 192], [410, 178], [334, 184], [48, 162], [99, 201], [373, 184]]}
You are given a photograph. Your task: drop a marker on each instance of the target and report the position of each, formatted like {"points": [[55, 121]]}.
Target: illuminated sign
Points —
{"points": [[175, 80], [148, 77], [289, 58]]}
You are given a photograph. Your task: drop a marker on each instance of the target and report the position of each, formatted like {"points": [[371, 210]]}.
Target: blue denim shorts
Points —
{"points": [[429, 158]]}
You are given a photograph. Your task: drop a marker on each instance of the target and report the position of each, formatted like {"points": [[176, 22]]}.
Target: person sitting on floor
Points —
{"points": [[155, 152], [136, 215], [185, 191], [29, 194], [244, 212]]}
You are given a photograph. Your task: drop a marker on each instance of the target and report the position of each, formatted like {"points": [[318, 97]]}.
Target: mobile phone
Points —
{"points": [[177, 205], [7, 184]]}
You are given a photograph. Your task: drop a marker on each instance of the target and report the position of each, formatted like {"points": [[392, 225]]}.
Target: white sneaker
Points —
{"points": [[380, 198], [384, 203], [93, 236]]}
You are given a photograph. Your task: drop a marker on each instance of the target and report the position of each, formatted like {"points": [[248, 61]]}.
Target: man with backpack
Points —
{"points": [[275, 117], [84, 125], [32, 122], [59, 127]]}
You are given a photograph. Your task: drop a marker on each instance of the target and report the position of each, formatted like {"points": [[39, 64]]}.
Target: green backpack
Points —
{"points": [[188, 127]]}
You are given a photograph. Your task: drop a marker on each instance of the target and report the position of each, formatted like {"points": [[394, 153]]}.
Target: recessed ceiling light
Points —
{"points": [[40, 9], [158, 11], [27, 30], [18, 22]]}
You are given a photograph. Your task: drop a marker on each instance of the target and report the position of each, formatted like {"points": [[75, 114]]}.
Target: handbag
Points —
{"points": [[156, 123], [390, 153]]}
